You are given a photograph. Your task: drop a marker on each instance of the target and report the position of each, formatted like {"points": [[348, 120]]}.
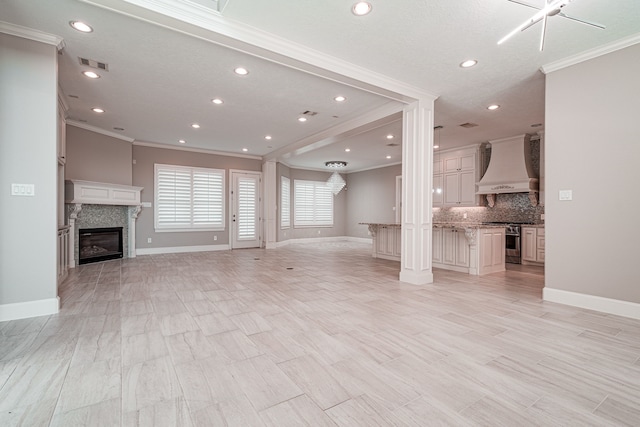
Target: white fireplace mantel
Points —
{"points": [[79, 192], [99, 193]]}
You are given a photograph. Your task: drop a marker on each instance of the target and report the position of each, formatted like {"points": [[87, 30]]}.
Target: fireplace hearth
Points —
{"points": [[100, 244]]}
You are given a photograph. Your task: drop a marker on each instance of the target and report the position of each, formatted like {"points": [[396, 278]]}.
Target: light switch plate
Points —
{"points": [[23, 190], [146, 204], [565, 195]]}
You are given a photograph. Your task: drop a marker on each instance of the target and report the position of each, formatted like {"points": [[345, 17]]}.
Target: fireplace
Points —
{"points": [[100, 244]]}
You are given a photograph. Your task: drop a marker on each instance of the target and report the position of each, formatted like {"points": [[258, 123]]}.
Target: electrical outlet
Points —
{"points": [[215, 237], [148, 239], [542, 217], [318, 231], [464, 215]]}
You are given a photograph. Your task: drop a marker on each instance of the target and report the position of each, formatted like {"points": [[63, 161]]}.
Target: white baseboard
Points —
{"points": [[592, 302], [414, 278], [23, 310], [181, 249], [323, 239]]}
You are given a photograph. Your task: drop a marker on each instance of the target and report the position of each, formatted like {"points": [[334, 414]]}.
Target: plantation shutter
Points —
{"points": [[285, 202], [313, 204], [247, 208], [189, 198]]}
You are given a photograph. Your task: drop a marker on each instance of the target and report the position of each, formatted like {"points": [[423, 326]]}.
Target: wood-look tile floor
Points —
{"points": [[318, 335]]}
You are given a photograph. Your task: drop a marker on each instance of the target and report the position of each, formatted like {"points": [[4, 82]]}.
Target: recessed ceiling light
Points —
{"points": [[493, 107], [80, 26], [536, 125], [436, 146], [361, 8], [268, 137], [302, 119], [340, 98], [245, 149], [91, 74], [468, 63], [97, 110], [182, 141], [241, 71], [195, 126], [388, 157], [347, 149], [217, 101], [389, 136]]}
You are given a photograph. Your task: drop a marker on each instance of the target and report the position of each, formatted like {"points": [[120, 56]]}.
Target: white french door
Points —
{"points": [[245, 210]]}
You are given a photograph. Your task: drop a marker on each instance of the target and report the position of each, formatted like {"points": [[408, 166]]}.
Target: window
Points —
{"points": [[189, 199], [285, 202], [313, 204]]}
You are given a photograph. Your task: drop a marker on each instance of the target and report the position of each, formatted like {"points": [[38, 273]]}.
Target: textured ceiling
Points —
{"points": [[161, 78]]}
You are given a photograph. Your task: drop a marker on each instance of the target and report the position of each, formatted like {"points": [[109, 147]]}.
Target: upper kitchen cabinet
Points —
{"points": [[456, 172]]}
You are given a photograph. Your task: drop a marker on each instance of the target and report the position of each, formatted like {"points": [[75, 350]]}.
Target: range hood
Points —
{"points": [[509, 170]]}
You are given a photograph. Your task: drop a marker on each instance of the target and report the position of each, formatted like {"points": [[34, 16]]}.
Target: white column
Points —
{"points": [[270, 205], [417, 183], [73, 215], [134, 211]]}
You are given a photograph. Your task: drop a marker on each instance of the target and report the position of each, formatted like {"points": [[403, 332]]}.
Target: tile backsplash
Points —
{"points": [[508, 208]]}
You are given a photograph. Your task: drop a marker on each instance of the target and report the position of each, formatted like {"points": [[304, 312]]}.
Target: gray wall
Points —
{"points": [[28, 129], [371, 197], [339, 206], [95, 157], [593, 148], [143, 176]]}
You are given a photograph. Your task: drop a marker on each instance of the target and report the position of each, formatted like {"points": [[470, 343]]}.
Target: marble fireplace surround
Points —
{"points": [[104, 205]]}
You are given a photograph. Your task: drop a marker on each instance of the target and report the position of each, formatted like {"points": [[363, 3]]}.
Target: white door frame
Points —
{"points": [[398, 207], [232, 205]]}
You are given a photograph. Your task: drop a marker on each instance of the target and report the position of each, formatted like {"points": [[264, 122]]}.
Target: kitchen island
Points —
{"points": [[465, 247]]}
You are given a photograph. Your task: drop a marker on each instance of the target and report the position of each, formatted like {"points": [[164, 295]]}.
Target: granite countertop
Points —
{"points": [[452, 225], [465, 225]]}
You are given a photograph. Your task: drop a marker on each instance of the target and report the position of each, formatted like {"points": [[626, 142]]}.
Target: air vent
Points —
{"points": [[468, 125], [392, 144], [94, 64], [309, 113]]}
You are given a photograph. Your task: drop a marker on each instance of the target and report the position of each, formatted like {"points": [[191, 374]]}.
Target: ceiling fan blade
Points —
{"points": [[530, 24], [582, 21], [544, 30], [524, 4]]}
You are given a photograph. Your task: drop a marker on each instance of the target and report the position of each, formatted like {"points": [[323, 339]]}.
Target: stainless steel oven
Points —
{"points": [[512, 243]]}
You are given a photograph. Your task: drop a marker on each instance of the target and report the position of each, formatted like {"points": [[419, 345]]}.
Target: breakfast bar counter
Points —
{"points": [[465, 247]]}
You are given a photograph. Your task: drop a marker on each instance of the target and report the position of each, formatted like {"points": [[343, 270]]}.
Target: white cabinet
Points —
{"points": [[491, 250], [387, 241], [532, 248], [456, 174], [472, 250], [436, 245], [438, 191], [450, 248]]}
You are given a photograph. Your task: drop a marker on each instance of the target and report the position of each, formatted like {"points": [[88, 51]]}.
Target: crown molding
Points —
{"points": [[99, 130], [196, 150], [191, 19], [31, 34], [591, 54]]}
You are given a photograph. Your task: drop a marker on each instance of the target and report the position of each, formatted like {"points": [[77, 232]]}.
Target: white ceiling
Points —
{"points": [[166, 66]]}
